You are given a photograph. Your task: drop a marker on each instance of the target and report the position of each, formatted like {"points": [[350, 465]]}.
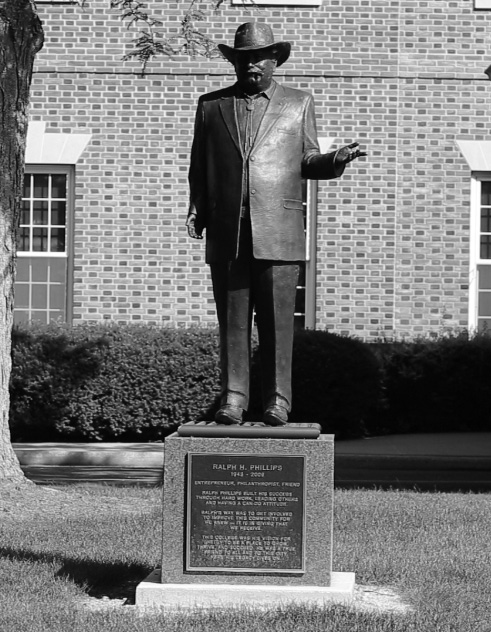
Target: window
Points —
{"points": [[305, 299], [42, 283], [480, 268], [295, 3]]}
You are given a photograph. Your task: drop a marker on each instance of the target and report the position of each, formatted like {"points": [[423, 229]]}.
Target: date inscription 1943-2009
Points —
{"points": [[245, 513]]}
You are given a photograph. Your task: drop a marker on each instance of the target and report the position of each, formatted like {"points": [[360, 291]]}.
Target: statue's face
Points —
{"points": [[254, 70]]}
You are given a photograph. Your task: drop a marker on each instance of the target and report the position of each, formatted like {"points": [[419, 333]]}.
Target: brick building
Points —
{"points": [[400, 245]]}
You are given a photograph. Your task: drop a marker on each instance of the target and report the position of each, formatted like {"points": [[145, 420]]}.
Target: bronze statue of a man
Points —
{"points": [[253, 144]]}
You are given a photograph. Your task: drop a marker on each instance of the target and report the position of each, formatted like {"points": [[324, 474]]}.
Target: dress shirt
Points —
{"points": [[250, 110]]}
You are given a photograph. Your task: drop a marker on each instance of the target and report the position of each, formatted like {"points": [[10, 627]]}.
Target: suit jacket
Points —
{"points": [[285, 151]]}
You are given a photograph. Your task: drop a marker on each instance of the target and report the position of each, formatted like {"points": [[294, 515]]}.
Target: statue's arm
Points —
{"points": [[197, 179], [317, 166]]}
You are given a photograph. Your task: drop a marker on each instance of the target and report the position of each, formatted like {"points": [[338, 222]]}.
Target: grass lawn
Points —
{"points": [[71, 557]]}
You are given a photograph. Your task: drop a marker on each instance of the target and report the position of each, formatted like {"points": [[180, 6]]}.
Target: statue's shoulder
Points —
{"points": [[217, 95], [294, 94]]}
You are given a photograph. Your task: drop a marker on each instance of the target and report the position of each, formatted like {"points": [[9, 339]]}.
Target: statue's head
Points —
{"points": [[255, 56]]}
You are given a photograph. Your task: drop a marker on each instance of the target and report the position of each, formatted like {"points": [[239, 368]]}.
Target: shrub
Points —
{"points": [[440, 385], [138, 383], [336, 382], [110, 383]]}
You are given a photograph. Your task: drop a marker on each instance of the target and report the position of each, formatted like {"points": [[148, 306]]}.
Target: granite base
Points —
{"points": [[151, 592], [319, 471]]}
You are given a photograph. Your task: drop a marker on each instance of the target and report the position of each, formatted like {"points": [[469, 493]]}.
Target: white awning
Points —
{"points": [[477, 153], [53, 149], [325, 143]]}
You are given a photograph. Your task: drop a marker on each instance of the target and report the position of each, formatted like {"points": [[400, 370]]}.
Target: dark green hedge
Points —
{"points": [[439, 385], [109, 383], [336, 382], [138, 383]]}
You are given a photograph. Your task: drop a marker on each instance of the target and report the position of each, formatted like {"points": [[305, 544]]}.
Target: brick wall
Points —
{"points": [[404, 78]]}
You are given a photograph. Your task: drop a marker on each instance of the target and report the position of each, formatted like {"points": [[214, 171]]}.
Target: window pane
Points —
{"points": [[485, 246], [21, 295], [57, 240], [22, 272], [41, 185], [39, 296], [484, 277], [58, 185], [56, 296], [39, 317], [23, 240], [484, 304], [20, 316], [300, 301], [40, 240], [486, 193], [57, 270], [58, 315], [27, 185], [299, 322], [40, 267], [484, 325], [301, 276], [58, 213], [486, 220], [25, 212], [40, 213]]}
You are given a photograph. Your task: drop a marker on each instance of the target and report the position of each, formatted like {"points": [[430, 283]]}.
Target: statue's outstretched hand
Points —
{"points": [[191, 224], [349, 153]]}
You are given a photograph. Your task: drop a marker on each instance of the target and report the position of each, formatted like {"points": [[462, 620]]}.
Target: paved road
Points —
{"points": [[446, 462]]}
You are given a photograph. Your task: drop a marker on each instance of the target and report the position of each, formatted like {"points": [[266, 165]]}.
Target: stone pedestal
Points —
{"points": [[247, 518]]}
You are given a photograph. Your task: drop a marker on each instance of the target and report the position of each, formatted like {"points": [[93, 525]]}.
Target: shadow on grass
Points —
{"points": [[98, 579]]}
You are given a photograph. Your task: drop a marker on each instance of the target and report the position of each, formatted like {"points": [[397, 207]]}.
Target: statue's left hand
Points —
{"points": [[349, 153], [191, 226]]}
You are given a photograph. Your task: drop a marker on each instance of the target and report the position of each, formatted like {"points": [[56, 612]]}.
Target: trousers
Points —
{"points": [[268, 288]]}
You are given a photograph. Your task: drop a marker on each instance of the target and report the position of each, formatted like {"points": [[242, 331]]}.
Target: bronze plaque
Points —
{"points": [[245, 513]]}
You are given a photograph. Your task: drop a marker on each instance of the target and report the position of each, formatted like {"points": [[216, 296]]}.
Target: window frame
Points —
{"points": [[475, 247], [279, 3], [69, 171], [311, 255]]}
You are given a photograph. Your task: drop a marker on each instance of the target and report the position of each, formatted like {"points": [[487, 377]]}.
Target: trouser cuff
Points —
{"points": [[278, 400], [234, 399]]}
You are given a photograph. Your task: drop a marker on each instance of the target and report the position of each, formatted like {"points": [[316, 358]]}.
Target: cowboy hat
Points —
{"points": [[255, 36]]}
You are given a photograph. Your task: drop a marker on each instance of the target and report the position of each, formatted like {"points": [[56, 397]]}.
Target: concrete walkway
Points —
{"points": [[445, 462]]}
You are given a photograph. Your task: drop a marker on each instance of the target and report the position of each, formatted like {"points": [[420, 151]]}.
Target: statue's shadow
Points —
{"points": [[115, 580]]}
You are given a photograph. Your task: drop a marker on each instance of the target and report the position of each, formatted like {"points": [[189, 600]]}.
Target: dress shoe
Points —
{"points": [[229, 415], [275, 416]]}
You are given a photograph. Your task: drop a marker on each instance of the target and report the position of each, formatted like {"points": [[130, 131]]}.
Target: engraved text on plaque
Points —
{"points": [[245, 513]]}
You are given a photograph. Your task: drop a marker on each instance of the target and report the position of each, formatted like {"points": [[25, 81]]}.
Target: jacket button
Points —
{"points": [[253, 191], [252, 159]]}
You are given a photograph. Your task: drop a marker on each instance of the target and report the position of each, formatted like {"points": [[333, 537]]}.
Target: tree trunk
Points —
{"points": [[21, 36]]}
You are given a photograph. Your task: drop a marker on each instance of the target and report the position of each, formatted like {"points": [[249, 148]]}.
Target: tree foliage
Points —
{"points": [[21, 37], [152, 39]]}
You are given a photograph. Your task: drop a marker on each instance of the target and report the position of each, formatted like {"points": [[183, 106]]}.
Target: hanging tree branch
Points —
{"points": [[152, 42]]}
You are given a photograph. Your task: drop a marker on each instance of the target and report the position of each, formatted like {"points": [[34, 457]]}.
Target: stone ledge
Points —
{"points": [[453, 462], [151, 592]]}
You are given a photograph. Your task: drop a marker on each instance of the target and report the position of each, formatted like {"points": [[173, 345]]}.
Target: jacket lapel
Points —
{"points": [[275, 108], [227, 108]]}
